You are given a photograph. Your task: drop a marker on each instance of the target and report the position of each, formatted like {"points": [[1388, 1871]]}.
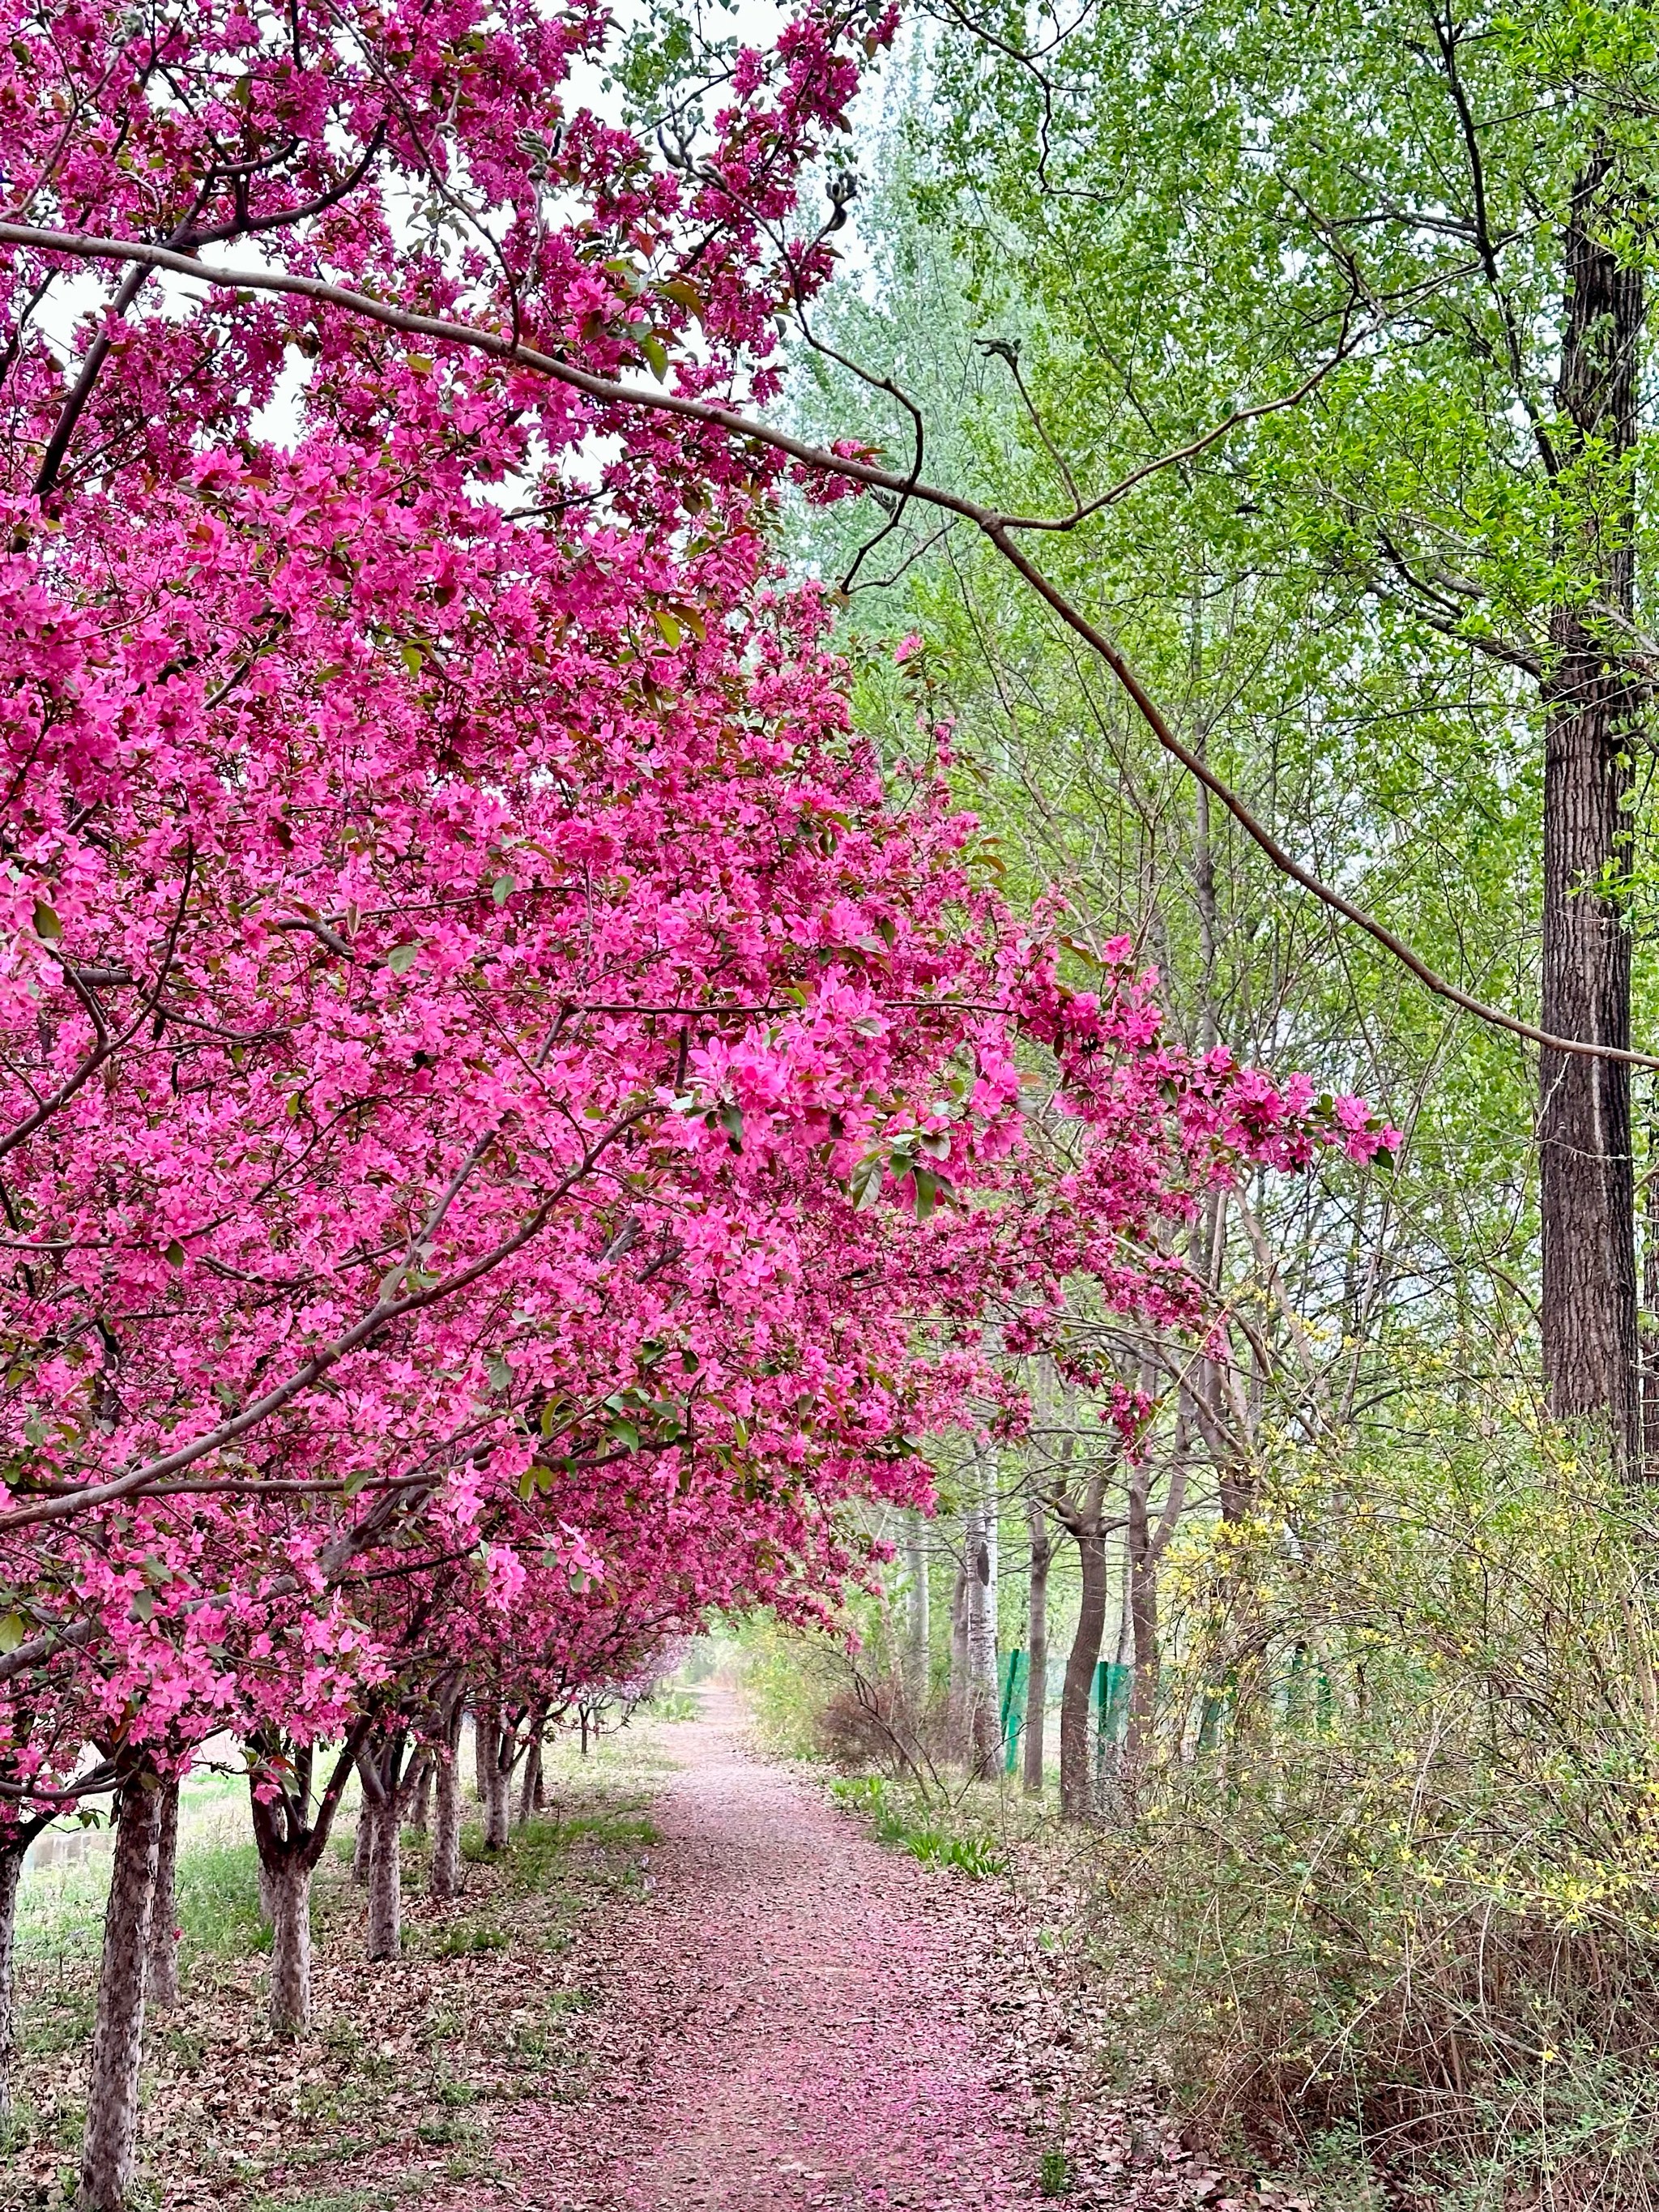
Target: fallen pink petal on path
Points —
{"points": [[789, 2026]]}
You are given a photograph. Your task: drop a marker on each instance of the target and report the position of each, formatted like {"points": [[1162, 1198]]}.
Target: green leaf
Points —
{"points": [[666, 623], [503, 889], [864, 1184], [626, 1435], [926, 1183], [730, 1120], [401, 959], [174, 1255], [412, 657], [46, 924], [13, 1629], [657, 353]]}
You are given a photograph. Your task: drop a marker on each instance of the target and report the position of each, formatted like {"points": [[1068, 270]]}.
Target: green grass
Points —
{"points": [[934, 1845], [336, 2200], [469, 1937], [218, 1895]]}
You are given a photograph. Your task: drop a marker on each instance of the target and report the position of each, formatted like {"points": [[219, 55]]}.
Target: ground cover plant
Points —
{"points": [[488, 2009]]}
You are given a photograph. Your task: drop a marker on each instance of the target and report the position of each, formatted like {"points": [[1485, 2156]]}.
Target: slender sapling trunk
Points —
{"points": [[1037, 1646]]}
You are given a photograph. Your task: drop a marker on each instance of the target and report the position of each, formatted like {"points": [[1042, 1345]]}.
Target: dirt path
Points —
{"points": [[788, 2022]]}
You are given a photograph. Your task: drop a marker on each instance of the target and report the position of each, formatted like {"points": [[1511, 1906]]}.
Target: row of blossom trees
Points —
{"points": [[508, 1116]]}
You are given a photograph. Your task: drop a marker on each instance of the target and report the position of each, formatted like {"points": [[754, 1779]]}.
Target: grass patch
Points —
{"points": [[218, 1899], [1054, 2174], [470, 1938], [929, 1840]]}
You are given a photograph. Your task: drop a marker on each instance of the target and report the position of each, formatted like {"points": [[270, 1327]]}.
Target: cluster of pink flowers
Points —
{"points": [[505, 1123]]}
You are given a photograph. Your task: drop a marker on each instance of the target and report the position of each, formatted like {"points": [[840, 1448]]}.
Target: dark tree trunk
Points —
{"points": [[1037, 1641], [984, 1717], [385, 1879], [1142, 1549], [162, 1990], [420, 1810], [387, 1786], [11, 1870], [1076, 1780], [530, 1791], [445, 1879], [1593, 708], [486, 1741], [110, 2147]]}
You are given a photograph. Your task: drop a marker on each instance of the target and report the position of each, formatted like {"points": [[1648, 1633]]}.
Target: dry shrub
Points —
{"points": [[1404, 1902], [866, 1724]]}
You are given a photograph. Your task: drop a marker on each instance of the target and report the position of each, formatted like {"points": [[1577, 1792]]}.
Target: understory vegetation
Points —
{"points": [[1375, 1896], [402, 2085]]}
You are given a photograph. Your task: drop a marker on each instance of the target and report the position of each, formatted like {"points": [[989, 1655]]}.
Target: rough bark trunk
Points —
{"points": [[292, 1832], [918, 1651], [1076, 1782], [486, 1735], [1036, 1646], [445, 1880], [498, 1832], [530, 1791], [110, 2147], [385, 1881], [362, 1849], [11, 1870], [420, 1811], [162, 1989], [1593, 707], [289, 2003]]}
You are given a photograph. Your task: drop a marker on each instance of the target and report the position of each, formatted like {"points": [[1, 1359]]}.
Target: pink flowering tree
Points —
{"points": [[502, 1106]]}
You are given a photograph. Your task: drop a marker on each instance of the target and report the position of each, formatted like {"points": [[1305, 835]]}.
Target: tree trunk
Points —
{"points": [[11, 1869], [385, 1879], [292, 1836], [918, 1649], [486, 1733], [1037, 1646], [1593, 708], [110, 2147], [420, 1811], [288, 2004], [445, 1880], [362, 1849], [162, 1992], [1075, 1790], [529, 1792], [956, 1704], [1142, 1560], [984, 1730], [498, 1781]]}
